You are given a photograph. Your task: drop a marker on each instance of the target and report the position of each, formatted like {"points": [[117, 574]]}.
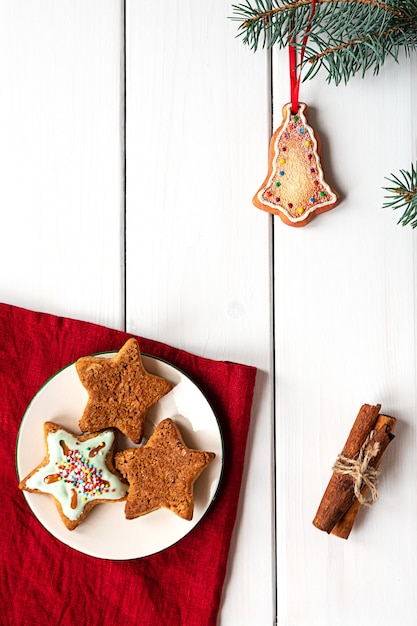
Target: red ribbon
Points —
{"points": [[294, 79]]}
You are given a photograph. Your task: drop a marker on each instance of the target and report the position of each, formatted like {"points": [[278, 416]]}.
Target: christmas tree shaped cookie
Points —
{"points": [[295, 188]]}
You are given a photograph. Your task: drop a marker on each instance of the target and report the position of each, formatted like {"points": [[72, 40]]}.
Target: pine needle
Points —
{"points": [[403, 195], [346, 36]]}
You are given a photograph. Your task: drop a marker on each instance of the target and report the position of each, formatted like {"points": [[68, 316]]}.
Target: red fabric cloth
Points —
{"points": [[47, 583]]}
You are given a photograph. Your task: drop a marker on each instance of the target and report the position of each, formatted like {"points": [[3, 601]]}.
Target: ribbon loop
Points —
{"points": [[292, 49]]}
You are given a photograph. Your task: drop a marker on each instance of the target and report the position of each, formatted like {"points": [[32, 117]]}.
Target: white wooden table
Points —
{"points": [[133, 137]]}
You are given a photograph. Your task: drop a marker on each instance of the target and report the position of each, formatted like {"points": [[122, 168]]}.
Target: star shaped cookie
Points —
{"points": [[162, 473], [120, 391], [77, 471]]}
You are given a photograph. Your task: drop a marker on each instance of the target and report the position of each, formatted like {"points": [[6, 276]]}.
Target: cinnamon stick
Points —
{"points": [[343, 527], [339, 495]]}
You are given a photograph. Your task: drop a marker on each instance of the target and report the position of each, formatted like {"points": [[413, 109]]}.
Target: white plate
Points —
{"points": [[105, 533]]}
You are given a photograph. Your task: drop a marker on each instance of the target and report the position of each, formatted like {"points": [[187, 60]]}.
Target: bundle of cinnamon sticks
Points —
{"points": [[355, 472]]}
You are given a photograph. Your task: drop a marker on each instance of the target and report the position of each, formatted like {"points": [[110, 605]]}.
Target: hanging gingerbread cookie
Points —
{"points": [[295, 188]]}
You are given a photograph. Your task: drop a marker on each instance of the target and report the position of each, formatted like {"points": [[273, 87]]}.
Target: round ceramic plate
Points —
{"points": [[105, 533]]}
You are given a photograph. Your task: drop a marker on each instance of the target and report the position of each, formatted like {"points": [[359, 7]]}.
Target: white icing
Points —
{"points": [[77, 471], [308, 134]]}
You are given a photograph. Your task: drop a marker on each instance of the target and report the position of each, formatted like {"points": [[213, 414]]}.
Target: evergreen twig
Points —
{"points": [[345, 37], [403, 195]]}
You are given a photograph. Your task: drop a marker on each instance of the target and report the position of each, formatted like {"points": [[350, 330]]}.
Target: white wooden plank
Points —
{"points": [[197, 251], [61, 158], [345, 319]]}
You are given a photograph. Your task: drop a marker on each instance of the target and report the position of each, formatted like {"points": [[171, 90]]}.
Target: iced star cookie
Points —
{"points": [[78, 472], [120, 391], [162, 473], [295, 188]]}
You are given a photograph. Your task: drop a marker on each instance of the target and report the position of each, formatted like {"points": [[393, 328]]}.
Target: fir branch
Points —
{"points": [[266, 15], [403, 195], [346, 36]]}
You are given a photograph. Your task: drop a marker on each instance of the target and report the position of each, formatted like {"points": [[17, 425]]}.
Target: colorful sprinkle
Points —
{"points": [[278, 184], [302, 131], [281, 173], [312, 200], [307, 143], [290, 205], [300, 210], [282, 161], [77, 471]]}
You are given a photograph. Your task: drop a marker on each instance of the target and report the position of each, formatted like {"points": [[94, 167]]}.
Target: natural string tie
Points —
{"points": [[360, 471]]}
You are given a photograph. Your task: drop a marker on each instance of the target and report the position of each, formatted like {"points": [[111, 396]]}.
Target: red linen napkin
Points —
{"points": [[48, 583]]}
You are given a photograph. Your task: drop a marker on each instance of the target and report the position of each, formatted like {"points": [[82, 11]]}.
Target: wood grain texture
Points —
{"points": [[61, 158], [330, 307], [345, 319], [198, 253]]}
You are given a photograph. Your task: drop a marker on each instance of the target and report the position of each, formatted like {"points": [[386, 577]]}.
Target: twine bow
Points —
{"points": [[359, 470]]}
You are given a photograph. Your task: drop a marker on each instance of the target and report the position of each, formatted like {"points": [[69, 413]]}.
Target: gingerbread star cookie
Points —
{"points": [[162, 473], [120, 391], [77, 471]]}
